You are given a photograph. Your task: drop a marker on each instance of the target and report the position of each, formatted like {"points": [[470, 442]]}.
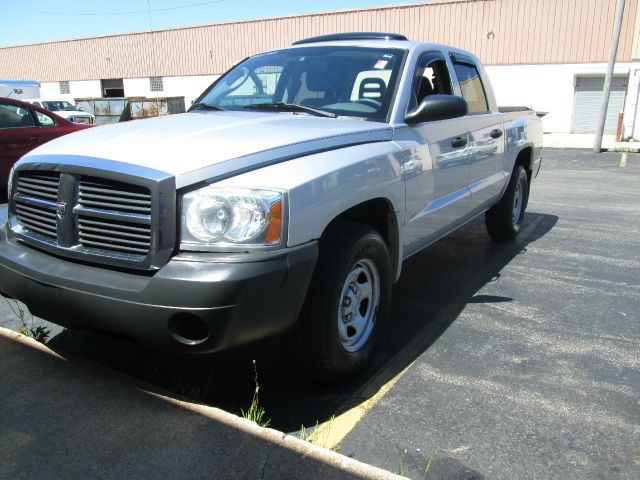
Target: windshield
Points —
{"points": [[57, 106], [345, 81]]}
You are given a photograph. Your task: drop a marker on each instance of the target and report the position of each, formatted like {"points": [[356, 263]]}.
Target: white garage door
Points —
{"points": [[588, 97]]}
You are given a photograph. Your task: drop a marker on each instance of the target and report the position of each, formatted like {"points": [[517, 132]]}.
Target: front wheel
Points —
{"points": [[505, 218], [347, 303]]}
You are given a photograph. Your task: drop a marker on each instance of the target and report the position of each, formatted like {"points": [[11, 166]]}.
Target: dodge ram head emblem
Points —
{"points": [[61, 209]]}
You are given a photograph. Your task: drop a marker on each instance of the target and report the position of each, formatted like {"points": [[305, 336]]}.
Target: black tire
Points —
{"points": [[502, 220], [317, 342]]}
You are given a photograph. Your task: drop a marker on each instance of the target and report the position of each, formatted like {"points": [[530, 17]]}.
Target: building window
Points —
{"points": [[112, 88], [156, 84], [65, 88]]}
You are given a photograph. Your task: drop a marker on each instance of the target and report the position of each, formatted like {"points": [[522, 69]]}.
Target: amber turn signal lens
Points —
{"points": [[274, 230]]}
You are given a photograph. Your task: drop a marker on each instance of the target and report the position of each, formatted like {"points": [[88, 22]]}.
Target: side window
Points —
{"points": [[432, 77], [12, 116], [471, 86], [44, 120]]}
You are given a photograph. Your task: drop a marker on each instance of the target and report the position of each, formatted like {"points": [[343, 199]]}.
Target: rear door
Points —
{"points": [[436, 172], [486, 136]]}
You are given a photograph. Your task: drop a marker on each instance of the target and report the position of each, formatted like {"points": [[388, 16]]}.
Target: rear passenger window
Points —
{"points": [[472, 88]]}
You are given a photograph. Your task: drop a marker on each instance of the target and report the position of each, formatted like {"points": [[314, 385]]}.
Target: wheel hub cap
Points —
{"points": [[360, 298], [517, 204]]}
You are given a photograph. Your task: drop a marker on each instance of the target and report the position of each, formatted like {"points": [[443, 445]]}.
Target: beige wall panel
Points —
{"points": [[525, 32]]}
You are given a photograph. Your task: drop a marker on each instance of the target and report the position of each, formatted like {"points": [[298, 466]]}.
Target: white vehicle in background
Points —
{"points": [[19, 89], [65, 109]]}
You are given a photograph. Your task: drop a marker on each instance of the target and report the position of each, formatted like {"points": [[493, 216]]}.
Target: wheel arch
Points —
{"points": [[525, 158], [379, 214]]}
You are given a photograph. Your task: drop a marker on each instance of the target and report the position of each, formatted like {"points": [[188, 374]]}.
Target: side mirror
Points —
{"points": [[437, 107]]}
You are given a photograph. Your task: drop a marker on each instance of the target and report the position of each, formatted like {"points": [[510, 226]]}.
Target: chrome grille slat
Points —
{"points": [[118, 207], [37, 218], [88, 188], [133, 236], [95, 197], [41, 211], [90, 243], [105, 224], [113, 198], [116, 196], [36, 192], [38, 228], [39, 185], [112, 240]]}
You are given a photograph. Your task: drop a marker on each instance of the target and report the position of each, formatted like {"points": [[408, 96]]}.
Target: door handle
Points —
{"points": [[34, 138], [497, 133], [459, 142]]}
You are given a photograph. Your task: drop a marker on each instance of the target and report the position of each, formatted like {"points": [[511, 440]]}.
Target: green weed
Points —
{"points": [[40, 333], [319, 434], [256, 413]]}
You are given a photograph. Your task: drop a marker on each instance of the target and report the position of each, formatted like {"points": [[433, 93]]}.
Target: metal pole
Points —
{"points": [[597, 147]]}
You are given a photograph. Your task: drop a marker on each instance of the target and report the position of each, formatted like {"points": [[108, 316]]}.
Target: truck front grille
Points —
{"points": [[113, 235], [39, 185], [37, 196], [89, 217], [120, 235], [117, 196]]}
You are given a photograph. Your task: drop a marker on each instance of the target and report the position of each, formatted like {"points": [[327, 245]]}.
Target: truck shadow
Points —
{"points": [[434, 289]]}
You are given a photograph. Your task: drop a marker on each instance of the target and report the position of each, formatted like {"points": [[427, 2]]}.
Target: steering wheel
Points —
{"points": [[370, 102], [237, 78]]}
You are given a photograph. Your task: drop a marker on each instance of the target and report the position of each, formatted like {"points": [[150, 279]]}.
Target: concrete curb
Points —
{"points": [[34, 376]]}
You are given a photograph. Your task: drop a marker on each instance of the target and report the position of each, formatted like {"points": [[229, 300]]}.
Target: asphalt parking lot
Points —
{"points": [[516, 360]]}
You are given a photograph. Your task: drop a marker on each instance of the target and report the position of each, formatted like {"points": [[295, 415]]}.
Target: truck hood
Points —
{"points": [[197, 146]]}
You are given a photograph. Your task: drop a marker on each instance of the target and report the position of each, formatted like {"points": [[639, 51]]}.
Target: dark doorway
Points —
{"points": [[113, 87]]}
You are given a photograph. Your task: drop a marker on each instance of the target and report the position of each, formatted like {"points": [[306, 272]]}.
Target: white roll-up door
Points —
{"points": [[588, 98]]}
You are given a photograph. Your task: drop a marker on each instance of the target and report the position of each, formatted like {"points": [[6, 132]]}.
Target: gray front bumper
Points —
{"points": [[238, 297]]}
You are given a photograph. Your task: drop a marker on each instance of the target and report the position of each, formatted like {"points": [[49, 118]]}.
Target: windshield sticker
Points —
{"points": [[380, 64]]}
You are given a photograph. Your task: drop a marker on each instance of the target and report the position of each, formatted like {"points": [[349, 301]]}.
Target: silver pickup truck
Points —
{"points": [[285, 200]]}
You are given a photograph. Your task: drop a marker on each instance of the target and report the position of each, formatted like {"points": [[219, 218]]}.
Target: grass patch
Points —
{"points": [[255, 412], [319, 435], [40, 333]]}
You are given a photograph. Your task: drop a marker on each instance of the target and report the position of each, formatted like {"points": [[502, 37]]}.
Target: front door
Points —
{"points": [[18, 134], [435, 171]]}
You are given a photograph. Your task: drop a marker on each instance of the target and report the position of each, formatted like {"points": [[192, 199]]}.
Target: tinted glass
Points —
{"points": [[431, 78], [472, 89], [57, 106], [44, 120], [347, 81], [12, 116]]}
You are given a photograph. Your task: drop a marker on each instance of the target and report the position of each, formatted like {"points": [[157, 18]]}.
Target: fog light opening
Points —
{"points": [[189, 328]]}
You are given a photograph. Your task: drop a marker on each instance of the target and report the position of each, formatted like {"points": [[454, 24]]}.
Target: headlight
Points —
{"points": [[219, 216]]}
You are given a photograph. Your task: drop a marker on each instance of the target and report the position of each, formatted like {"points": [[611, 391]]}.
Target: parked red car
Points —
{"points": [[22, 128]]}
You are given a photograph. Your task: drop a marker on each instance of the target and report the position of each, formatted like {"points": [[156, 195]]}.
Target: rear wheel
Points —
{"points": [[505, 218], [347, 303]]}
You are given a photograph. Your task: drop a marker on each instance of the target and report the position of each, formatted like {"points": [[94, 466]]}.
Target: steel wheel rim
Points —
{"points": [[359, 302], [517, 204]]}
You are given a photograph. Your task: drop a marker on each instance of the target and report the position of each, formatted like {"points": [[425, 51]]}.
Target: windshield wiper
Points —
{"points": [[290, 107], [204, 106]]}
